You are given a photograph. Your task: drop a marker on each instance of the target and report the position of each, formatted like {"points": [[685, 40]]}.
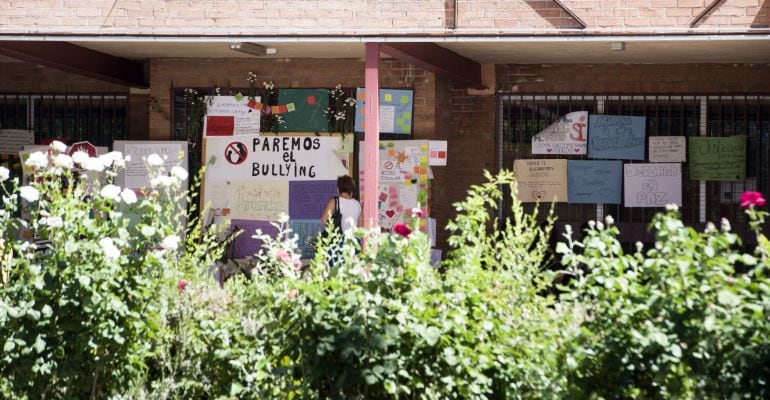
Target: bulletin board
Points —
{"points": [[250, 180], [302, 109], [396, 111]]}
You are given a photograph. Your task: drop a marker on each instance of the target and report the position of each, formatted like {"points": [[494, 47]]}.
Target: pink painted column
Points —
{"points": [[371, 134]]}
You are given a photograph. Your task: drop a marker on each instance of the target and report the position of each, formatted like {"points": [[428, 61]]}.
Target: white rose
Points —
{"points": [[37, 160], [154, 160], [171, 242], [29, 193], [79, 157], [4, 174], [109, 249], [93, 164], [113, 157], [53, 222], [111, 192], [58, 146], [179, 172], [148, 231], [63, 161], [128, 196]]}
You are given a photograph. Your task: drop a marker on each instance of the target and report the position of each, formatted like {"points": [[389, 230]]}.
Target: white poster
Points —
{"points": [[13, 140], [289, 158], [668, 149], [652, 185], [387, 118], [135, 176], [438, 153], [231, 115], [568, 135]]}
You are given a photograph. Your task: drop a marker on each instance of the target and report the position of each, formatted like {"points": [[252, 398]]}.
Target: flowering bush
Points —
{"points": [[342, 111], [77, 305]]}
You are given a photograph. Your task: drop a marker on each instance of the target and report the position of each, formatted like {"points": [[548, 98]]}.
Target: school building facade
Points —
{"points": [[486, 75]]}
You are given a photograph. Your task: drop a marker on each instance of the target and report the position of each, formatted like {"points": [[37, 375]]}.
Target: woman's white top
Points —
{"points": [[350, 210]]}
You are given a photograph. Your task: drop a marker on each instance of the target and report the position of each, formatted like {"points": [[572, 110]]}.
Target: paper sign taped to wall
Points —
{"points": [[652, 185], [617, 137], [541, 180], [717, 158], [568, 135], [231, 115], [595, 181], [668, 149], [12, 141]]}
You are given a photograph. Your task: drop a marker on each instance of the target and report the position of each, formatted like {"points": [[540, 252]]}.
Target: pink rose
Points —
{"points": [[297, 263], [182, 285], [752, 199], [283, 256]]}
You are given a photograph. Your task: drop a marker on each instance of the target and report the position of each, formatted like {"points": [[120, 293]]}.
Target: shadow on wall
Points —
{"points": [[762, 19], [550, 11]]}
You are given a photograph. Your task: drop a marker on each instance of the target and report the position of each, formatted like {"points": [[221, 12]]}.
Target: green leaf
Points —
{"points": [[727, 298], [431, 335]]}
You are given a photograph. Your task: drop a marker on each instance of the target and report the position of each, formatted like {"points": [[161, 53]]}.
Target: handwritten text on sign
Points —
{"points": [[652, 185], [230, 115], [541, 180], [566, 136], [616, 137], [667, 148], [594, 181], [274, 158], [717, 158]]}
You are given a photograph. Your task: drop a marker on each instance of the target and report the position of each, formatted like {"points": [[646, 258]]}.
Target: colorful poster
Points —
{"points": [[395, 110], [568, 135], [266, 158], [542, 180], [717, 158], [438, 152], [652, 185], [135, 176], [248, 200], [668, 149], [594, 182], [231, 115], [616, 137], [308, 199], [307, 231], [12, 141], [403, 180], [303, 110]]}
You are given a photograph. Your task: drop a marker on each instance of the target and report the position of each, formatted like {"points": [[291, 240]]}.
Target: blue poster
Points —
{"points": [[617, 137], [395, 110], [594, 182], [307, 232]]}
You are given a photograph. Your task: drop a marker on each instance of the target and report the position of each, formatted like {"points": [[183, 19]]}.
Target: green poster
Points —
{"points": [[303, 110], [717, 158]]}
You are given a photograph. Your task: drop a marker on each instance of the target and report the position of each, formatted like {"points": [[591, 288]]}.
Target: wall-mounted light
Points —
{"points": [[251, 48], [617, 46]]}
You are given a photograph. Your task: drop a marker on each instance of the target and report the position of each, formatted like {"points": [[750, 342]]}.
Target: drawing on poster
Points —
{"points": [[652, 185], [303, 110], [717, 158], [594, 181], [616, 137], [230, 115], [568, 135], [668, 149], [541, 180], [395, 110]]}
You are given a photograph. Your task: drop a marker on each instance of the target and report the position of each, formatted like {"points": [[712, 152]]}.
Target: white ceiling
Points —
{"points": [[522, 50]]}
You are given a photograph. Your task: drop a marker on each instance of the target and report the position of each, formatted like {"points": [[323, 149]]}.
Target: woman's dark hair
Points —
{"points": [[345, 184]]}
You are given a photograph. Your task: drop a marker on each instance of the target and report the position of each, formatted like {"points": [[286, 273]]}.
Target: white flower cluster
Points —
{"points": [[4, 174], [337, 92], [279, 120], [269, 86], [251, 77], [350, 102], [339, 116]]}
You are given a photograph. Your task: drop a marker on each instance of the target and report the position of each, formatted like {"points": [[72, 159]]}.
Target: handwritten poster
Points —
{"points": [[136, 176], [541, 180], [308, 199], [617, 137], [231, 115], [395, 110], [717, 158], [594, 181], [265, 158], [13, 140], [668, 148], [307, 231], [568, 135], [303, 110], [652, 185]]}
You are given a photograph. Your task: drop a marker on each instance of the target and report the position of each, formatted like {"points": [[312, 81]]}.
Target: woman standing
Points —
{"points": [[349, 207]]}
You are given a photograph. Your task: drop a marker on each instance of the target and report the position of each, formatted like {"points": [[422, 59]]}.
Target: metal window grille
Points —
{"points": [[522, 116]]}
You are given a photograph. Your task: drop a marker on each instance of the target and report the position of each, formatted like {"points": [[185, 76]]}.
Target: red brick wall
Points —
{"points": [[340, 17], [25, 77]]}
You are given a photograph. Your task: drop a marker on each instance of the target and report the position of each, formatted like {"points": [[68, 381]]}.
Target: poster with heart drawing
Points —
{"points": [[541, 180], [568, 135]]}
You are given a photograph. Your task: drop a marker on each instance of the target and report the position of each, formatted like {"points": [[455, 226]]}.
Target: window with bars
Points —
{"points": [[522, 116], [98, 118]]}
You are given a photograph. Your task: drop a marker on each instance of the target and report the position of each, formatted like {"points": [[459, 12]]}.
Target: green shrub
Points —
{"points": [[677, 321]]}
